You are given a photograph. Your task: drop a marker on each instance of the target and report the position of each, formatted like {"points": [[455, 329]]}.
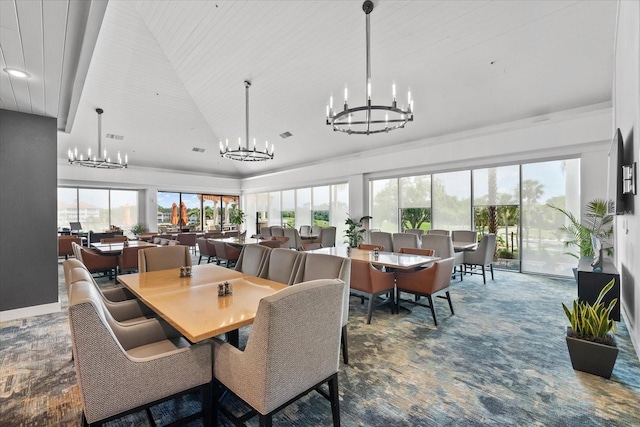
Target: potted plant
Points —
{"points": [[138, 229], [354, 232], [592, 347], [236, 217]]}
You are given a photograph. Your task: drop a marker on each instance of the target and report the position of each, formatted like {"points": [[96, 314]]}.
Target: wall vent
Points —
{"points": [[113, 136], [285, 135], [198, 150]]}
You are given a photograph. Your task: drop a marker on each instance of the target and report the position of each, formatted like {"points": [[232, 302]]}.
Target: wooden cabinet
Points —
{"points": [[590, 283]]}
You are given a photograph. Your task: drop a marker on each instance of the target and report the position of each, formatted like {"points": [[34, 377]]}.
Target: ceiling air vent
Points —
{"points": [[113, 136], [285, 135], [198, 150]]}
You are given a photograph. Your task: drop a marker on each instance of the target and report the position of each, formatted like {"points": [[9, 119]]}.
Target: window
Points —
{"points": [[321, 212], [288, 199], [415, 202], [195, 211], [384, 206], [452, 200]]}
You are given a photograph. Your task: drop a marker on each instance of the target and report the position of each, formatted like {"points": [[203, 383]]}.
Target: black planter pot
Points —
{"points": [[591, 357]]}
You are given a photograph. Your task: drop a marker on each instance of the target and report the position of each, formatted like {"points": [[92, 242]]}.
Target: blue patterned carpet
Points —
{"points": [[500, 360]]}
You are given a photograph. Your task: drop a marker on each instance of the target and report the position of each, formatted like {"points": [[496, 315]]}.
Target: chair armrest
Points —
{"points": [[131, 335], [128, 309], [381, 281], [117, 294], [417, 280]]}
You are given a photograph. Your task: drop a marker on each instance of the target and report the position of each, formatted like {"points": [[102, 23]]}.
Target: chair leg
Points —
{"points": [[449, 299], [265, 420], [345, 346], [491, 267], [335, 400], [433, 310], [370, 309], [199, 259], [208, 405], [484, 277]]}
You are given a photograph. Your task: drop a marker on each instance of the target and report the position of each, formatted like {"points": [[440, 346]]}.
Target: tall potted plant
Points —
{"points": [[592, 347], [236, 217], [355, 230]]}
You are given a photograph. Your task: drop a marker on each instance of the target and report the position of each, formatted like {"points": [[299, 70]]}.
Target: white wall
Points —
{"points": [[626, 103]]}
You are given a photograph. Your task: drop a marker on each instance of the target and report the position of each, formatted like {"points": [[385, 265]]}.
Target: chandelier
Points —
{"points": [[105, 162], [244, 153], [368, 119]]}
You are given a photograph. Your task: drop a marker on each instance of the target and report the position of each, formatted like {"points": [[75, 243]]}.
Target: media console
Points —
{"points": [[590, 283]]}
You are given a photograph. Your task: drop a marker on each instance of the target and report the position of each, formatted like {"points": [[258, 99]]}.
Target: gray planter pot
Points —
{"points": [[591, 357]]}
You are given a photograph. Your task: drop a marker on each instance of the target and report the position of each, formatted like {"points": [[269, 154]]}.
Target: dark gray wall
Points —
{"points": [[28, 210]]}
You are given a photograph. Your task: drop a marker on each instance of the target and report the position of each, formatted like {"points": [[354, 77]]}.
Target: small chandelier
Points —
{"points": [[93, 161], [244, 153], [369, 118]]}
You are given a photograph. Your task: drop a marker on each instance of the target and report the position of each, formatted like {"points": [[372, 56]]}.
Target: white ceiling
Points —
{"points": [[169, 74]]}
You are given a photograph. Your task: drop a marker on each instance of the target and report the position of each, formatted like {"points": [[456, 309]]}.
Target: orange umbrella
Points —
{"points": [[174, 214], [183, 214]]}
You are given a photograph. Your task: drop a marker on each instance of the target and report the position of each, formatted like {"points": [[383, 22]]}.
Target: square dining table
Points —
{"points": [[192, 305], [384, 259]]}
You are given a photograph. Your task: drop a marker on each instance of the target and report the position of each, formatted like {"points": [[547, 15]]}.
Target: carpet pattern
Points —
{"points": [[500, 360]]}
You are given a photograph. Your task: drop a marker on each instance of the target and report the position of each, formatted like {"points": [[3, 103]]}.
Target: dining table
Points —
{"points": [[117, 247], [237, 241], [459, 246], [192, 304], [393, 260]]}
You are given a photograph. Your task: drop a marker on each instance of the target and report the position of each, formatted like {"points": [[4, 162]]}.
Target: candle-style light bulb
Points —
{"points": [[89, 153], [369, 89], [409, 96], [126, 159], [412, 106], [346, 92], [239, 142], [393, 90], [331, 102], [105, 154], [254, 144], [227, 142]]}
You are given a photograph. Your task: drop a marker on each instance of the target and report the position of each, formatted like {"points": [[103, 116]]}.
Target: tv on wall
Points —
{"points": [[614, 184]]}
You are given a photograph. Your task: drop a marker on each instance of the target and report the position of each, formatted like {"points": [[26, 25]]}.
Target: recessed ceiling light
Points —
{"points": [[17, 73]]}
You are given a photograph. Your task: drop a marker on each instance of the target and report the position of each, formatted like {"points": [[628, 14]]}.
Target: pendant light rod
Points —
{"points": [[247, 85], [99, 111]]}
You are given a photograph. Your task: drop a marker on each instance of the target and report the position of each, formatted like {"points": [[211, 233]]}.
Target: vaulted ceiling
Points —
{"points": [[169, 74]]}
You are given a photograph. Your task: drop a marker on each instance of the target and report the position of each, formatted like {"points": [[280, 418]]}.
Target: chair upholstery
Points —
{"points": [[294, 238], [443, 248], [265, 232], [443, 232], [114, 239], [315, 229], [206, 248], [252, 259], [404, 240], [282, 265], [305, 229], [294, 329], [187, 239], [368, 247], [95, 262], [428, 282], [322, 266], [369, 282], [416, 251], [137, 364], [311, 246], [417, 231], [128, 259], [381, 238], [163, 258], [64, 245], [481, 257], [284, 241], [327, 237], [464, 236], [226, 254], [125, 311], [277, 231]]}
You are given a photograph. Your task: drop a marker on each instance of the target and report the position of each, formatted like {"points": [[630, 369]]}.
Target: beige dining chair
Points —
{"points": [[305, 229], [292, 349], [226, 254], [163, 258], [277, 231], [327, 237], [381, 238], [404, 240], [311, 246], [443, 248], [282, 265], [137, 365], [442, 232], [417, 231], [481, 257], [206, 249], [294, 238], [252, 259], [322, 266], [464, 236]]}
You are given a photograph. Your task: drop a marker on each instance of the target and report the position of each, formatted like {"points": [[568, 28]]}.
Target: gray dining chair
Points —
{"points": [[481, 257], [381, 238], [404, 240], [252, 259], [443, 232], [282, 265], [327, 237], [442, 246], [294, 238], [163, 258]]}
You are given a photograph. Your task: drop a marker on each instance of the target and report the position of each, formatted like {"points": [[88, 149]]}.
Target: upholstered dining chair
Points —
{"points": [[311, 246], [417, 231], [282, 265], [369, 282], [443, 232], [226, 254], [163, 258], [284, 241], [404, 240], [64, 245], [188, 239], [277, 231], [272, 243], [368, 247], [381, 238], [114, 239], [294, 329], [137, 365], [294, 238], [265, 232], [327, 237], [481, 257], [206, 249], [443, 248], [417, 251], [95, 262], [252, 259], [322, 266], [464, 236], [428, 282], [305, 229], [128, 259]]}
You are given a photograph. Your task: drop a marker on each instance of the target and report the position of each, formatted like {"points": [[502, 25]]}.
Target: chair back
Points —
{"points": [[416, 251], [265, 232], [484, 254], [443, 232], [282, 265], [305, 229], [417, 231], [187, 239], [64, 244], [360, 276], [464, 236], [75, 247], [311, 246], [271, 243], [294, 329], [128, 258], [277, 231], [163, 258], [202, 246], [440, 243], [367, 247], [328, 237], [284, 241], [114, 239], [315, 229], [294, 238], [253, 259], [404, 240], [381, 238], [226, 252]]}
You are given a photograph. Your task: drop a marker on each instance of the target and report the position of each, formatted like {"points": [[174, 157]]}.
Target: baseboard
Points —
{"points": [[35, 310], [632, 331]]}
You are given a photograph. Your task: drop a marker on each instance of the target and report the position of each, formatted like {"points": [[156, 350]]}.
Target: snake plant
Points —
{"points": [[591, 321]]}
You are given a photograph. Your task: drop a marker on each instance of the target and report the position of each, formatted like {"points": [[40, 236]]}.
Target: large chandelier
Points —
{"points": [[244, 153], [90, 161], [369, 118]]}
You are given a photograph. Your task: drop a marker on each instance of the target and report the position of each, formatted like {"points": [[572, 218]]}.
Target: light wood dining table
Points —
{"points": [[237, 241], [464, 246], [384, 259], [116, 248], [192, 305]]}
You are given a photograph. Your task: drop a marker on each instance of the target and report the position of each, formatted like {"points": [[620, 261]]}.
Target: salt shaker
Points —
{"points": [[220, 290], [182, 272]]}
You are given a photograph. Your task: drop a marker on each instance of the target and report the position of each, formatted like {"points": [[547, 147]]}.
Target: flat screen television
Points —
{"points": [[614, 184]]}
